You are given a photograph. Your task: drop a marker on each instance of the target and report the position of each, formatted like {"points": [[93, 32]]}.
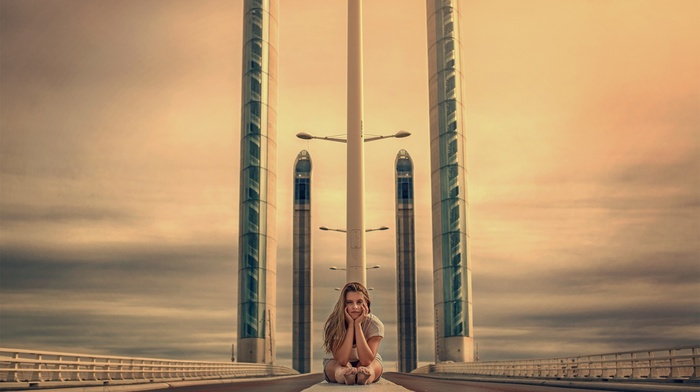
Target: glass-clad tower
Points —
{"points": [[451, 258], [257, 244], [405, 263], [302, 280]]}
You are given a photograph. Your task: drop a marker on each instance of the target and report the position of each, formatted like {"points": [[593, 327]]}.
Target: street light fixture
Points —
{"points": [[398, 135], [368, 288], [345, 231], [308, 136], [334, 268]]}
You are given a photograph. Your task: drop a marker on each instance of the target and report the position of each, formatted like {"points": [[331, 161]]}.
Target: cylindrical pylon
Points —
{"points": [[356, 251]]}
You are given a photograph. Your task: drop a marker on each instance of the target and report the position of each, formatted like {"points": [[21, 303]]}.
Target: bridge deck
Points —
{"points": [[381, 385]]}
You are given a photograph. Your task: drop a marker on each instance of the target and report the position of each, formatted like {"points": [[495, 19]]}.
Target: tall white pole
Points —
{"points": [[356, 252]]}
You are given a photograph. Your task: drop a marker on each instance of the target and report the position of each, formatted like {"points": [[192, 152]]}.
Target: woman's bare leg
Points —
{"points": [[340, 374], [369, 374]]}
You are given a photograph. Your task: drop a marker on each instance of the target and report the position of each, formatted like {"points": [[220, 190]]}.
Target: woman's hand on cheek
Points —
{"points": [[362, 315], [348, 317]]}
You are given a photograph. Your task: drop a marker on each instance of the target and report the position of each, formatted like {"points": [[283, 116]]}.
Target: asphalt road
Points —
{"points": [[290, 384], [425, 384], [411, 382]]}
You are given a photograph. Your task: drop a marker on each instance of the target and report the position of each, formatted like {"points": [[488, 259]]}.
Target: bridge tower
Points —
{"points": [[257, 244], [302, 279], [405, 263], [451, 256]]}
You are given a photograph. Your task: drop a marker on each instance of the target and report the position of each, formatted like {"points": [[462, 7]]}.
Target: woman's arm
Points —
{"points": [[342, 354], [366, 348]]}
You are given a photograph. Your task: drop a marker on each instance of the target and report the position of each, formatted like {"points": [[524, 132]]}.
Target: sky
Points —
{"points": [[119, 166]]}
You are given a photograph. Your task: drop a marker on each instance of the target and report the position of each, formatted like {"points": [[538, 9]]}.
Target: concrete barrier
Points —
{"points": [[678, 363], [37, 368]]}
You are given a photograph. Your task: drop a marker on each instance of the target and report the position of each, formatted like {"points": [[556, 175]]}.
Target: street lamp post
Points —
{"points": [[356, 254], [355, 238]]}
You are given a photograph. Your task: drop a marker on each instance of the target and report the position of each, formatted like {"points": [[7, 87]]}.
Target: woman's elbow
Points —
{"points": [[366, 362], [342, 362]]}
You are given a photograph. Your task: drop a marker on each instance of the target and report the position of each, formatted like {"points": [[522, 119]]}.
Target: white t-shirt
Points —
{"points": [[371, 327]]}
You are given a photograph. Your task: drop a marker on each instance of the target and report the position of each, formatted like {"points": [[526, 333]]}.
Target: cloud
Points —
{"points": [[173, 301]]}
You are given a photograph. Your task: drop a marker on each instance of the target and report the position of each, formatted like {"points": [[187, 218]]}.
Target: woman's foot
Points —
{"points": [[350, 375], [365, 375], [346, 375]]}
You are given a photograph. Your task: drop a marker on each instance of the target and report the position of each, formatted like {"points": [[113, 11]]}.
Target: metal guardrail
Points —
{"points": [[672, 363], [34, 366]]}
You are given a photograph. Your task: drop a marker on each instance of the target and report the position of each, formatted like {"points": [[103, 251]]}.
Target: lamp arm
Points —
{"points": [[373, 138], [331, 139]]}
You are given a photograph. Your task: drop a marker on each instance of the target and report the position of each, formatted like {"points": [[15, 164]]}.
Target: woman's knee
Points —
{"points": [[378, 368]]}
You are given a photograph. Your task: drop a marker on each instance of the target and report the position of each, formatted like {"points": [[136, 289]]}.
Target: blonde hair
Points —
{"points": [[335, 328]]}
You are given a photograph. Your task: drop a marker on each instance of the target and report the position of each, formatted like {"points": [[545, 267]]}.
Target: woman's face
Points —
{"points": [[354, 302]]}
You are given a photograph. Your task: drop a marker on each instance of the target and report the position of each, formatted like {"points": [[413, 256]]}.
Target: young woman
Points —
{"points": [[352, 334]]}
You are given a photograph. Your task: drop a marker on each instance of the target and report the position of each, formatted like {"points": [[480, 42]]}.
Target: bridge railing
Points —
{"points": [[670, 363], [34, 366]]}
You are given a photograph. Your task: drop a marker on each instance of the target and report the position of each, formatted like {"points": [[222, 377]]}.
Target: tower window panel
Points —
{"points": [[250, 278], [253, 242], [450, 108], [249, 331], [450, 56], [459, 329], [447, 10], [457, 283], [255, 85], [449, 46], [455, 243], [253, 217], [450, 84], [257, 25], [454, 214], [253, 194], [252, 261], [254, 149], [253, 129], [302, 190], [255, 108], [457, 308], [252, 293], [452, 148], [253, 287], [256, 47], [405, 190], [254, 173], [251, 320], [449, 28], [456, 259], [452, 173], [452, 126]]}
